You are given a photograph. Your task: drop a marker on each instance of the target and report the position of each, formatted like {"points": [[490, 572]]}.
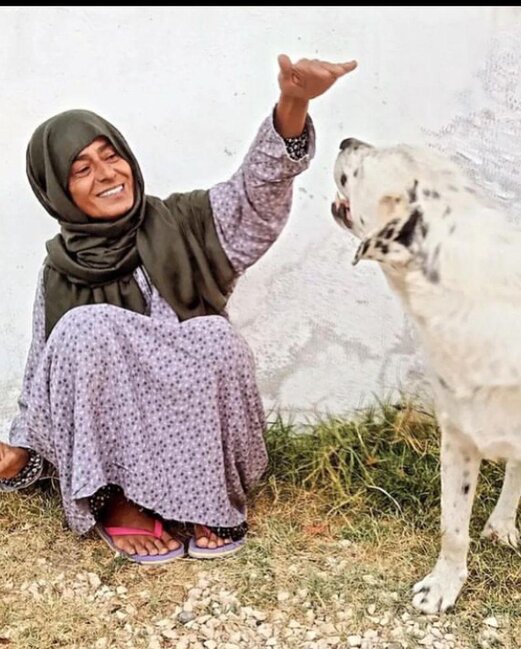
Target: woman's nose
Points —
{"points": [[105, 171]]}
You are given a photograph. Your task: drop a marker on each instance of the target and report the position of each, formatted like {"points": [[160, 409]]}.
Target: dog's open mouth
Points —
{"points": [[341, 212]]}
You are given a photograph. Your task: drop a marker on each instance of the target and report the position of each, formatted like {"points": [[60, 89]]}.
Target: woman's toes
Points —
{"points": [[126, 544], [143, 548], [204, 538], [146, 545], [152, 548], [162, 548], [213, 541]]}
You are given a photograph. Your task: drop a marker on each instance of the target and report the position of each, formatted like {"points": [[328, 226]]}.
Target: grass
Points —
{"points": [[348, 509], [386, 462]]}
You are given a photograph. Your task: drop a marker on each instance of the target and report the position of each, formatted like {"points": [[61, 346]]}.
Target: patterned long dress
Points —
{"points": [[167, 410]]}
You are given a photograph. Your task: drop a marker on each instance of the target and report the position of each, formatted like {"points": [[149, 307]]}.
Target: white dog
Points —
{"points": [[455, 261]]}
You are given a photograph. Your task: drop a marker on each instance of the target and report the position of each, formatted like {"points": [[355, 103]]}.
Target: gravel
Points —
{"points": [[212, 617]]}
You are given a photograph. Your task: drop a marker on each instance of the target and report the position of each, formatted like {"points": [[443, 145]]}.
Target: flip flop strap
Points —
{"points": [[132, 531]]}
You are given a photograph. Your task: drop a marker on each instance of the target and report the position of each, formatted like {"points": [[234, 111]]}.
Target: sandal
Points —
{"points": [[106, 533], [225, 550]]}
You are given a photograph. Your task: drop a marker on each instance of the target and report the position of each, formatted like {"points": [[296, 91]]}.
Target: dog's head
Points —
{"points": [[390, 197]]}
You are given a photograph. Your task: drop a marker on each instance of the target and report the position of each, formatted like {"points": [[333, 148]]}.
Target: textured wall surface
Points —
{"points": [[327, 337]]}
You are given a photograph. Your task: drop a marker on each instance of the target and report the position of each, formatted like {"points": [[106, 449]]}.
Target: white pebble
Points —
{"points": [[491, 621]]}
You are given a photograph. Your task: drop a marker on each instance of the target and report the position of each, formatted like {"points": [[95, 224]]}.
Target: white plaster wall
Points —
{"points": [[189, 87]]}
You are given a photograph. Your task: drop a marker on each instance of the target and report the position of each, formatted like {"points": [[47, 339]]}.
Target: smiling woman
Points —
{"points": [[101, 181], [137, 388]]}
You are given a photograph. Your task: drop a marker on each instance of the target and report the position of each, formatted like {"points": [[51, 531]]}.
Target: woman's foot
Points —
{"points": [[12, 460], [122, 513], [205, 544], [205, 538]]}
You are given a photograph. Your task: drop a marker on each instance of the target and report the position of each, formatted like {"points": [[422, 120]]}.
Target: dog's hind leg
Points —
{"points": [[501, 526], [460, 464]]}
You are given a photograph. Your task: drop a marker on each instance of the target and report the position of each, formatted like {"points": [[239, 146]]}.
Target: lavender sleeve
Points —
{"points": [[252, 207]]}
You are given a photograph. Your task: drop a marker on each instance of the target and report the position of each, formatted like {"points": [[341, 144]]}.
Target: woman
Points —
{"points": [[137, 389]]}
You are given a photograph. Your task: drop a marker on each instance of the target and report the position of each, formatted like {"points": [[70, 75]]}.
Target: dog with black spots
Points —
{"points": [[453, 257]]}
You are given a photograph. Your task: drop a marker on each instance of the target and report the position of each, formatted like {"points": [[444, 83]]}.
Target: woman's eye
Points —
{"points": [[81, 171]]}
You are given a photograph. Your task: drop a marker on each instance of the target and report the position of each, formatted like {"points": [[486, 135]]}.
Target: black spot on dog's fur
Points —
{"points": [[343, 180], [470, 190], [365, 247], [430, 193], [362, 220], [453, 188], [431, 268], [466, 459], [380, 245], [447, 212], [452, 229], [424, 228], [443, 383], [412, 192], [355, 173], [466, 489], [406, 234]]}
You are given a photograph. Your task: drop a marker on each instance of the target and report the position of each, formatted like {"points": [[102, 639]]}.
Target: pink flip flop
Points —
{"points": [[106, 533]]}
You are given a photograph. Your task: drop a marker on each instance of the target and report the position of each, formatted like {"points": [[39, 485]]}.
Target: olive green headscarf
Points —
{"points": [[92, 261]]}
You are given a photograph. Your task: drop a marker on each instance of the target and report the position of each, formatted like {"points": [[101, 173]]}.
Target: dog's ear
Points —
{"points": [[392, 243]]}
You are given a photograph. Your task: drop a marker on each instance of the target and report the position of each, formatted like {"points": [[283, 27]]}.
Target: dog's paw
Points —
{"points": [[439, 590], [502, 531]]}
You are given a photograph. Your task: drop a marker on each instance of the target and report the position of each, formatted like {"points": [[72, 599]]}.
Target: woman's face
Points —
{"points": [[101, 182]]}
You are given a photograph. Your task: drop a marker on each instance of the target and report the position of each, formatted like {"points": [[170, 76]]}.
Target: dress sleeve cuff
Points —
{"points": [[296, 148]]}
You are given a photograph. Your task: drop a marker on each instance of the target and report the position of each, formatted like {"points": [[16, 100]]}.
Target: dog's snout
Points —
{"points": [[352, 143]]}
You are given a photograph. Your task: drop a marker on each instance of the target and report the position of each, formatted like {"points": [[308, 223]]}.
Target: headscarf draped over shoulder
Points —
{"points": [[92, 261]]}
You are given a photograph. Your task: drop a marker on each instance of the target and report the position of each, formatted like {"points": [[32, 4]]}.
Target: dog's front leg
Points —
{"points": [[460, 464], [501, 525]]}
